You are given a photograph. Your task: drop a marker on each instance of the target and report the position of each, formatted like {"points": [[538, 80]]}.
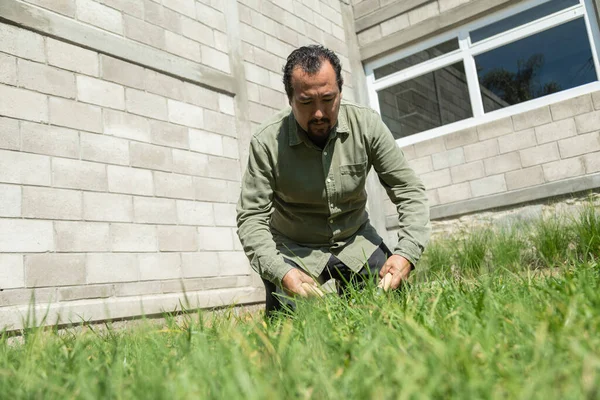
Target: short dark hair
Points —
{"points": [[310, 58]]}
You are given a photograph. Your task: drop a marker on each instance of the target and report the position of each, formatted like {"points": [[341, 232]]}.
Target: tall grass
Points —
{"points": [[509, 332]]}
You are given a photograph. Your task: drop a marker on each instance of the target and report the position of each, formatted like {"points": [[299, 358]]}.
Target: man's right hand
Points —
{"points": [[297, 282]]}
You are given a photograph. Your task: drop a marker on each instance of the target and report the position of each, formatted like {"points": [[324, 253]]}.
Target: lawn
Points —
{"points": [[510, 312]]}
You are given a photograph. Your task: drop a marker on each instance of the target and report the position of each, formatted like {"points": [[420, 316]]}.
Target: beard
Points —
{"points": [[319, 128]]}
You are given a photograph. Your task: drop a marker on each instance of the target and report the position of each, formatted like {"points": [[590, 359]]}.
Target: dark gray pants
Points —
{"points": [[335, 269]]}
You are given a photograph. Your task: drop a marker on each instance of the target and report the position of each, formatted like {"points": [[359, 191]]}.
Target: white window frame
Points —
{"points": [[467, 51]]}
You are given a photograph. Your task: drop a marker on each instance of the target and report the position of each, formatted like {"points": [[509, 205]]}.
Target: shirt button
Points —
{"points": [[331, 221], [332, 241], [328, 180], [324, 153]]}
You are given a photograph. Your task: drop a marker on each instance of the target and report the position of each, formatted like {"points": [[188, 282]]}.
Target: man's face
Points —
{"points": [[316, 101]]}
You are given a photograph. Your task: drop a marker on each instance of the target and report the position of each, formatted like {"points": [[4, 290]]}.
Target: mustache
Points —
{"points": [[316, 121]]}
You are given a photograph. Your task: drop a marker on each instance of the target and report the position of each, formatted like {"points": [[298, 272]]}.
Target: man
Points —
{"points": [[301, 215]]}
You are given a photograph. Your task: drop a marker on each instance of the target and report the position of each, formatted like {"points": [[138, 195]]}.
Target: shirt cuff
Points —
{"points": [[276, 271], [408, 250]]}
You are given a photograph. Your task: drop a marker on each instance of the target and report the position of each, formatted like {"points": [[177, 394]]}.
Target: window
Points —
{"points": [[530, 55]]}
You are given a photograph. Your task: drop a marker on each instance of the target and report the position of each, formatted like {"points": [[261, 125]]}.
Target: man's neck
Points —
{"points": [[319, 141]]}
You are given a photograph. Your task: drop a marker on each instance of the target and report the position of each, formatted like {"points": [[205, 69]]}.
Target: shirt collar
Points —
{"points": [[295, 137]]}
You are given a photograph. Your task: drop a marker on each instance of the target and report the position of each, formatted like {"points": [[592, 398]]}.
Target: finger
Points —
{"points": [[399, 276], [384, 270], [311, 290]]}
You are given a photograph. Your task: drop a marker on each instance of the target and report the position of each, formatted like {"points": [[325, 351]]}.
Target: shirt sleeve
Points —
{"points": [[404, 189], [253, 212]]}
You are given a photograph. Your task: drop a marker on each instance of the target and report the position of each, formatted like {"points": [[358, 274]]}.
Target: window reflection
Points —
{"points": [[428, 101], [548, 62]]}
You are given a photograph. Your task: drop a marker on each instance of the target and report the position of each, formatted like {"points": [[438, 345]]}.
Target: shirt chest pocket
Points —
{"points": [[353, 178]]}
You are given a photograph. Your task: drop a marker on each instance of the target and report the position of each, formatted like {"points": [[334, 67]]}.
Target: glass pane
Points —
{"points": [[428, 101], [521, 18], [548, 62], [416, 58]]}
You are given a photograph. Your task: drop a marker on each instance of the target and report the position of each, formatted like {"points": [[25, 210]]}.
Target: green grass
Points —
{"points": [[481, 319]]}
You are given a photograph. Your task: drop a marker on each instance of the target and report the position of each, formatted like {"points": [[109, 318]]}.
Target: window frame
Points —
{"points": [[466, 53]]}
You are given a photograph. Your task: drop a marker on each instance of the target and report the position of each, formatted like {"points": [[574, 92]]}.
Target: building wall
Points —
{"points": [[118, 180]]}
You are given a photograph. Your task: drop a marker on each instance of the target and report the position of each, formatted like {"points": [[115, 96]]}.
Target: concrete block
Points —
{"points": [[582, 144], [144, 32], [76, 174], [129, 126], [206, 142], [226, 104], [489, 185], [105, 149], [8, 69], [197, 31], [369, 35], [436, 179], [219, 123], [131, 7], [173, 185], [150, 156], [596, 100], [133, 238], [75, 237], [75, 115], [266, 60], [54, 269], [110, 267], [432, 197], [423, 13], [467, 172], [23, 104], [164, 85], [199, 96], [49, 203], [256, 74], [221, 42], [587, 122], [253, 91], [446, 5], [130, 180], [49, 140], [517, 141], [259, 113], [273, 98], [230, 148], [21, 43], [45, 79], [195, 213], [85, 292], [11, 271], [66, 7], [448, 158], [99, 15], [122, 72], [160, 266], [26, 236], [524, 178], [234, 263], [164, 17], [103, 93], [107, 207], [213, 18], [166, 134], [203, 264], [224, 168], [185, 7], [72, 58], [177, 238], [422, 165], [539, 155], [215, 238], [225, 214], [190, 163], [182, 46], [393, 25], [215, 190], [146, 104], [563, 169], [481, 150], [461, 138], [502, 163], [458, 192], [572, 107], [494, 129], [591, 162], [154, 211], [137, 288], [23, 168], [555, 131], [9, 134], [429, 147], [533, 118], [10, 201], [185, 114]]}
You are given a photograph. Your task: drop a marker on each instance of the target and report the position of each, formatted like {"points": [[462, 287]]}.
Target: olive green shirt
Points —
{"points": [[305, 203]]}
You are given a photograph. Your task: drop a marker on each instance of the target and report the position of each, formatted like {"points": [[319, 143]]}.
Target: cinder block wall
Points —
{"points": [[118, 180]]}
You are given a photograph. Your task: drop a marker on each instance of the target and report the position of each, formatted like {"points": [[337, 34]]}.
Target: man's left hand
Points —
{"points": [[399, 267]]}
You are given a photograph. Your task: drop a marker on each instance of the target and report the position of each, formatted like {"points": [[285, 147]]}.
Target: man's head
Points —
{"points": [[313, 83]]}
